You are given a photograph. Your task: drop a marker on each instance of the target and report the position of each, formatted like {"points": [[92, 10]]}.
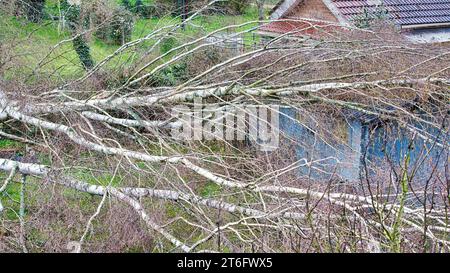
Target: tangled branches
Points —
{"points": [[336, 182]]}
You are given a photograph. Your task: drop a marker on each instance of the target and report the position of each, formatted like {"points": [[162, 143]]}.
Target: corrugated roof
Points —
{"points": [[403, 12]]}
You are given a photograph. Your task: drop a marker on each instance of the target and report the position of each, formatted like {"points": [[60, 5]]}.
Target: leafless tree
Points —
{"points": [[103, 139]]}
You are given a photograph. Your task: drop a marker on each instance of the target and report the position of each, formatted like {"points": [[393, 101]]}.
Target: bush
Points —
{"points": [[167, 44], [190, 67], [138, 8], [33, 10], [370, 18], [171, 75], [152, 11], [126, 4], [232, 7], [200, 61], [148, 11], [143, 10], [117, 29]]}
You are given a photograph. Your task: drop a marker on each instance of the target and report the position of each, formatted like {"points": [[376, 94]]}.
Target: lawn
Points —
{"points": [[37, 54]]}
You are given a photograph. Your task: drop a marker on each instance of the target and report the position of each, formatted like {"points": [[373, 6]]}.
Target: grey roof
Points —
{"points": [[402, 12]]}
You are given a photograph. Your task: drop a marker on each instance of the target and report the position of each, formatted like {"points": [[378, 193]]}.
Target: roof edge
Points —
{"points": [[430, 25], [283, 7], [332, 7]]}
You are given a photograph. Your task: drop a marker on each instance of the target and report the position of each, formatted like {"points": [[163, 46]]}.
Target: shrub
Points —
{"points": [[126, 4], [203, 60], [167, 44], [369, 18], [190, 67], [32, 9], [171, 75], [234, 7], [139, 7], [151, 11], [116, 26], [148, 11]]}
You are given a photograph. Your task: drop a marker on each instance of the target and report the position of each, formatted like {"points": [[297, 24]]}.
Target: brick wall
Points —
{"points": [[314, 9]]}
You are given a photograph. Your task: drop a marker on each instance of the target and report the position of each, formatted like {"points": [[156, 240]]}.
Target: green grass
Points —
{"points": [[104, 179], [210, 189], [33, 42], [11, 196], [38, 41], [9, 144], [33, 56]]}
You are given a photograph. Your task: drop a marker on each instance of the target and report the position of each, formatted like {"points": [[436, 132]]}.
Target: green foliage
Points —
{"points": [[33, 9], [209, 190], [6, 144], [83, 51], [118, 29], [230, 7], [171, 75], [167, 44], [51, 9], [126, 4], [144, 9], [149, 11], [81, 47], [139, 7], [235, 7], [71, 15], [370, 17]]}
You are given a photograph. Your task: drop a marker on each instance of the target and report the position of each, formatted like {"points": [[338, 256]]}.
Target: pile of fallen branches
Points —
{"points": [[259, 203]]}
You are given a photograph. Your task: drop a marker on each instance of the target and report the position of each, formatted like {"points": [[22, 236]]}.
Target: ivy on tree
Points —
{"points": [[81, 47]]}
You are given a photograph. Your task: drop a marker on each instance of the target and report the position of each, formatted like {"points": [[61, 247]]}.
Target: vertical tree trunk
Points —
{"points": [[72, 14], [261, 11], [182, 10]]}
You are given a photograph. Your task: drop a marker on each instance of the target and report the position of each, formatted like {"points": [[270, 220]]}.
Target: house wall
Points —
{"points": [[345, 159], [332, 159], [313, 9]]}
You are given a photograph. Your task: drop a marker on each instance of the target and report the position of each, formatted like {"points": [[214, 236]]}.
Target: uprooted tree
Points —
{"points": [[96, 155]]}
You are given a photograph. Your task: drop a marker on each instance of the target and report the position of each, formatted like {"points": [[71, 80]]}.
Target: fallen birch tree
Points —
{"points": [[214, 190]]}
